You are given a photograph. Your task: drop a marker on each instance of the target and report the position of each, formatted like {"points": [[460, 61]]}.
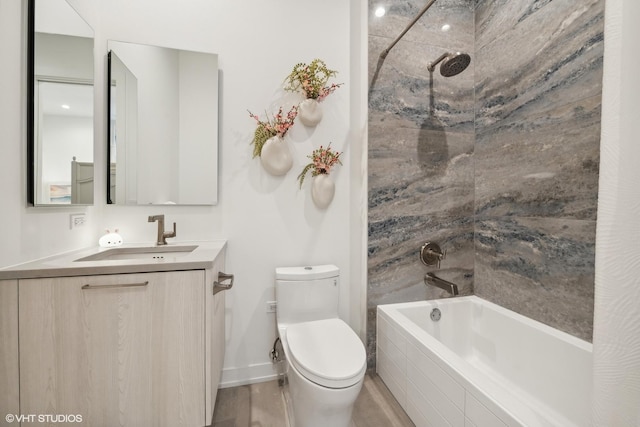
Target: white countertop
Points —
{"points": [[66, 264]]}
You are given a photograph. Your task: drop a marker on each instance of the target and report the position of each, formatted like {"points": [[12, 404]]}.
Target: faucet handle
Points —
{"points": [[171, 233], [432, 254]]}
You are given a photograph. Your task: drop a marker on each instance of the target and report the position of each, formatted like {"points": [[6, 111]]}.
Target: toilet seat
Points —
{"points": [[327, 352]]}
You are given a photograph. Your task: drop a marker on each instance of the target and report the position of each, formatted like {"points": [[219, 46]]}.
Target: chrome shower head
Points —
{"points": [[452, 63]]}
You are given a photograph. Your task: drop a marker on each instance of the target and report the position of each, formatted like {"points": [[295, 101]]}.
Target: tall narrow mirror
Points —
{"points": [[60, 105], [163, 126]]}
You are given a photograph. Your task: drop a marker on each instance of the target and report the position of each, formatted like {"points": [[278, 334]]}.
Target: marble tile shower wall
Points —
{"points": [[421, 142], [538, 84], [498, 164]]}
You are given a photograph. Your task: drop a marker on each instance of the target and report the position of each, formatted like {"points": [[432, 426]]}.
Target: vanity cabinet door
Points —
{"points": [[216, 333], [117, 350], [9, 368]]}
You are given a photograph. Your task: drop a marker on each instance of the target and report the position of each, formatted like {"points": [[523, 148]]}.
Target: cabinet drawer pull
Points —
{"points": [[224, 282], [121, 285]]}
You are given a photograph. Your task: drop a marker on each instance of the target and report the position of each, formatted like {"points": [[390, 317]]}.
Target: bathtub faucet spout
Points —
{"points": [[432, 279]]}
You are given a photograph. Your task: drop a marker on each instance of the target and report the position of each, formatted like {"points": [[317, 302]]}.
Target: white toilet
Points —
{"points": [[326, 361]]}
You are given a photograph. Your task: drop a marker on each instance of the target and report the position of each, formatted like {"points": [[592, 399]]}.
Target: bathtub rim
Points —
{"points": [[578, 342], [486, 390]]}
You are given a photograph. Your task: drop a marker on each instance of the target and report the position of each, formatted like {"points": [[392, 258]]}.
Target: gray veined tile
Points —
{"points": [[394, 247], [541, 19], [457, 14], [513, 141], [405, 94], [546, 166], [532, 68], [419, 172], [541, 268]]}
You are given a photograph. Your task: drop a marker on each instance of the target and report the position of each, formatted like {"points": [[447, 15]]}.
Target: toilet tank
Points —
{"points": [[307, 293]]}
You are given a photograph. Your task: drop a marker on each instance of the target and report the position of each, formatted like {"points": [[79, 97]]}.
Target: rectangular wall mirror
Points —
{"points": [[163, 126], [60, 105]]}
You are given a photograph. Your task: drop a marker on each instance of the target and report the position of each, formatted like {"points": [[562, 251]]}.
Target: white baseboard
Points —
{"points": [[232, 377]]}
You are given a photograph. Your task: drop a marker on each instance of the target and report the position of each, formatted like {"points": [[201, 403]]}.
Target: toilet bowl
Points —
{"points": [[326, 361]]}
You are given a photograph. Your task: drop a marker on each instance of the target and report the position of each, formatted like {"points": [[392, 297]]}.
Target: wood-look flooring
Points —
{"points": [[263, 405]]}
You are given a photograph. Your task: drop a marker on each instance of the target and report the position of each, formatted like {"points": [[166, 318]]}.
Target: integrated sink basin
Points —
{"points": [[141, 253], [138, 257]]}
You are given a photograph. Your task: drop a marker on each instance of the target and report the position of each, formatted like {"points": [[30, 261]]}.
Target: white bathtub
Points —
{"points": [[482, 365]]}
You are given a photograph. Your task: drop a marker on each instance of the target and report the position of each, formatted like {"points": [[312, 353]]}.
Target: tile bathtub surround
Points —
{"points": [[545, 166], [509, 148], [539, 267], [538, 100], [538, 87], [421, 142]]}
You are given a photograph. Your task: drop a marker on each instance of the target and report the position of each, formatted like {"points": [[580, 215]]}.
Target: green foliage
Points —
{"points": [[322, 160], [260, 136], [278, 125], [304, 173], [311, 79]]}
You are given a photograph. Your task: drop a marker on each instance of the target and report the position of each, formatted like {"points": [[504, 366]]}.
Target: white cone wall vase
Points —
{"points": [[275, 156], [310, 112], [322, 190]]}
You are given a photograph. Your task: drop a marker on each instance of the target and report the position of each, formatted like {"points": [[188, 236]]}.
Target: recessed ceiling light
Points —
{"points": [[380, 11], [65, 106], [446, 27]]}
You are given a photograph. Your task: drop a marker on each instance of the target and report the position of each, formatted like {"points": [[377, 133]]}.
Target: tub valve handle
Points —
{"points": [[432, 254]]}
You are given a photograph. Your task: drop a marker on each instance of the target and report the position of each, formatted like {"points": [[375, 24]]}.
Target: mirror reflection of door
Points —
{"points": [[61, 104], [64, 142]]}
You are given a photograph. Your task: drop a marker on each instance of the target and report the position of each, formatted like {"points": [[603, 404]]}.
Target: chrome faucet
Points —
{"points": [[162, 235]]}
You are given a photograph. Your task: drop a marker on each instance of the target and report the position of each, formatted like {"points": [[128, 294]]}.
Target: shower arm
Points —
{"points": [[385, 52], [432, 65]]}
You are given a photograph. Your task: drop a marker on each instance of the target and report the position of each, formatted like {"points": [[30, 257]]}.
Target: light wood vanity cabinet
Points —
{"points": [[141, 349], [9, 379], [131, 354]]}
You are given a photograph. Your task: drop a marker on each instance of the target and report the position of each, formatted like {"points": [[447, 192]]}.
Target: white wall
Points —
{"points": [[64, 56], [616, 338], [26, 233], [268, 222], [58, 17]]}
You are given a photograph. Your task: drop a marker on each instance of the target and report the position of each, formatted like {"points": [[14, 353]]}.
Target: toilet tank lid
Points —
{"points": [[307, 272]]}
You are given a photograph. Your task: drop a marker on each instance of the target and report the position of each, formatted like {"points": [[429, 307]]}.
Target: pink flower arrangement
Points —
{"points": [[278, 126], [322, 160], [326, 91], [312, 80]]}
